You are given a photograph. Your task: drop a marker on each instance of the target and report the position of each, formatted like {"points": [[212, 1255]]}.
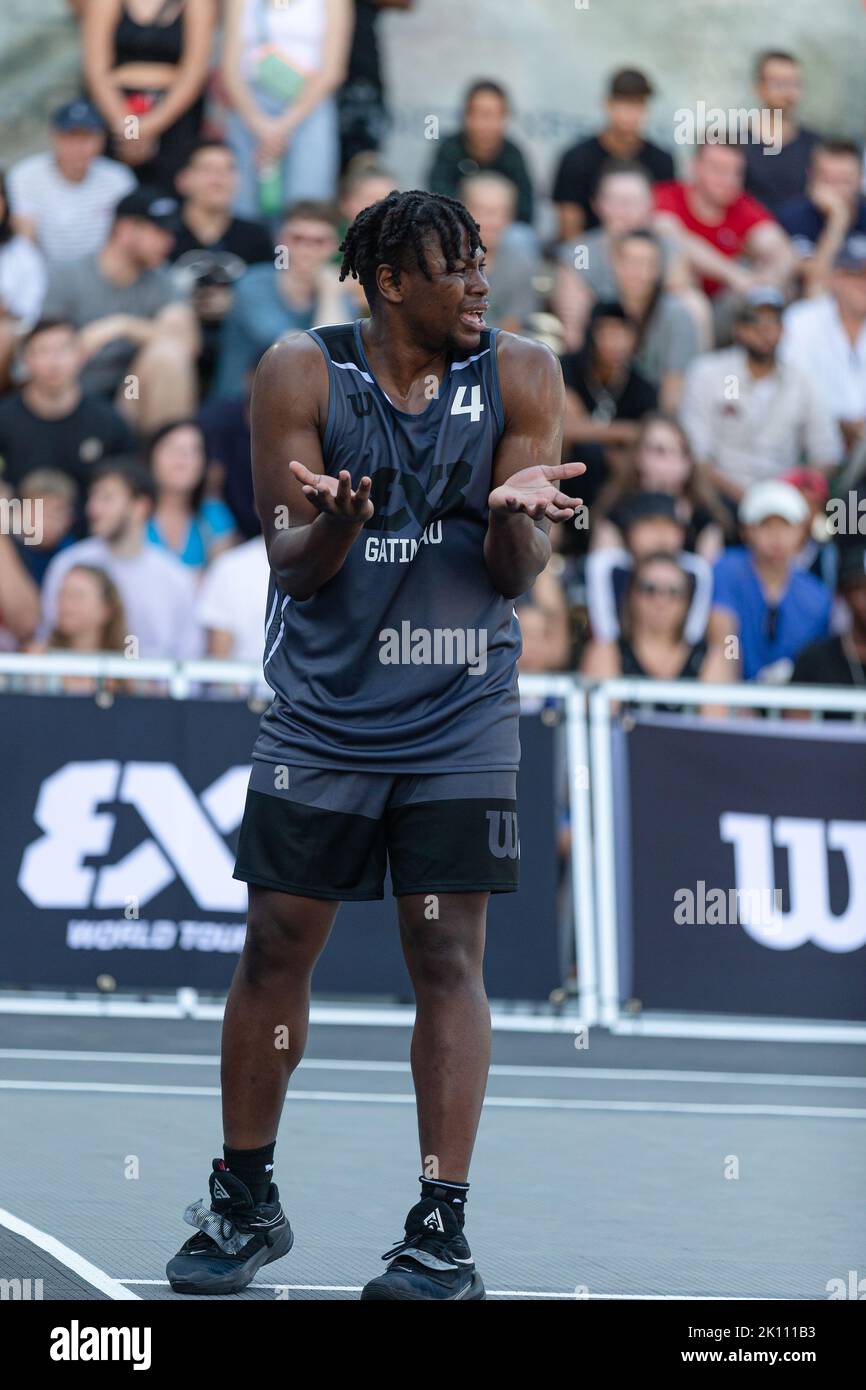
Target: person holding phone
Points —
{"points": [[282, 65]]}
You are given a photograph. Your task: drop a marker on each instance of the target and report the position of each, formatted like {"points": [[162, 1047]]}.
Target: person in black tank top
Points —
{"points": [[406, 469], [652, 644], [172, 40]]}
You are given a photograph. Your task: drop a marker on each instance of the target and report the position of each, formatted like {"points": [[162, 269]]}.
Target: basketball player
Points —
{"points": [[406, 471]]}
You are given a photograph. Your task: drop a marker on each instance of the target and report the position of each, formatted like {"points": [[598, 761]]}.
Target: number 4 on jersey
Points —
{"points": [[473, 409]]}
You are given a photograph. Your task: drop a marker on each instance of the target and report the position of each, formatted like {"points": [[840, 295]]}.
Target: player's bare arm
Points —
{"points": [[310, 520], [527, 470]]}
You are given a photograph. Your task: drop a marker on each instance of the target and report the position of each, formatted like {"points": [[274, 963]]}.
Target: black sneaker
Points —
{"points": [[235, 1237], [434, 1261]]}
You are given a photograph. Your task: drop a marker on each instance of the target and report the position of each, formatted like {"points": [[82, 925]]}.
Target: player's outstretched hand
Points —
{"points": [[534, 492], [334, 496]]}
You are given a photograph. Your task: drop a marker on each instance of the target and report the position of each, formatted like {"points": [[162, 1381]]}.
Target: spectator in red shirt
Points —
{"points": [[719, 227]]}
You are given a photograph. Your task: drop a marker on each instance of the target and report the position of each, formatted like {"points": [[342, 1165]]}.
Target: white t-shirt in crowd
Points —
{"points": [[72, 219], [23, 279], [233, 596], [295, 31], [157, 591], [755, 428], [815, 339]]}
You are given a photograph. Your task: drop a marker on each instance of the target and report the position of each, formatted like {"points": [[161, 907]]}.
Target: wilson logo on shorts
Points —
{"points": [[502, 839]]}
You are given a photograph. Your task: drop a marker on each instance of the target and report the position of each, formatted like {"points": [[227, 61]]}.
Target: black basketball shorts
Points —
{"points": [[327, 833]]}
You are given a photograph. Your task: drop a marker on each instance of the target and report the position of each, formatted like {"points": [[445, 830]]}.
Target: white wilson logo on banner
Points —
{"points": [[808, 844]]}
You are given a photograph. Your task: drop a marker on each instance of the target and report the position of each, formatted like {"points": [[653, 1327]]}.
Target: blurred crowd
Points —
{"points": [[709, 312]]}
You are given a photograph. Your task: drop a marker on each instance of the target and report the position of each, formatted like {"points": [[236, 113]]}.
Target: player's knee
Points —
{"points": [[276, 942], [443, 962]]}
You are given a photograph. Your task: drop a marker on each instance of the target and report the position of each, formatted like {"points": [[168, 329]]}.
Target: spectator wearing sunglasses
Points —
{"points": [[301, 289], [650, 523], [762, 598], [652, 641]]}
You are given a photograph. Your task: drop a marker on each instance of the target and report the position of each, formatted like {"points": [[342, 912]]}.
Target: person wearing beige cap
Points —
{"points": [[765, 608]]}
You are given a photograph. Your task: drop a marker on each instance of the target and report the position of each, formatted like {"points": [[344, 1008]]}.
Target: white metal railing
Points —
{"points": [[743, 695], [180, 677], [601, 698], [588, 707]]}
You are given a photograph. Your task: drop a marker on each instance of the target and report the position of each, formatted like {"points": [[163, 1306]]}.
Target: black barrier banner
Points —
{"points": [[117, 854], [747, 879]]}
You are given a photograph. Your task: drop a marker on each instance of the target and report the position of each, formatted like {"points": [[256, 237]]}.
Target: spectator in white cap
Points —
{"points": [[765, 608], [750, 416], [64, 198]]}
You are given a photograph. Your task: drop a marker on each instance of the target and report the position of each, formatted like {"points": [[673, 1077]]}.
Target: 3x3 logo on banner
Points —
{"points": [[185, 841]]}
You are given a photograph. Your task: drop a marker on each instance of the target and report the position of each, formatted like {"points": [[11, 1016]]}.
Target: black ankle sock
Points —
{"points": [[254, 1167], [453, 1193]]}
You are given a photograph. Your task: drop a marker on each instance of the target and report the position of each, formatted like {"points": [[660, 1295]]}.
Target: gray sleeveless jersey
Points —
{"points": [[405, 660]]}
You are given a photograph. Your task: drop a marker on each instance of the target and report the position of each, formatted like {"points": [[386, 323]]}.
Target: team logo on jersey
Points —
{"points": [[443, 496]]}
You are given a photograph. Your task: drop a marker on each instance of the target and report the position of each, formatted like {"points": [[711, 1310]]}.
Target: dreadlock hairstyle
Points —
{"points": [[386, 231]]}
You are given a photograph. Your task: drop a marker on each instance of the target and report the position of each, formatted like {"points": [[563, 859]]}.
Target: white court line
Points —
{"points": [[509, 1293], [492, 1102], [521, 1020], [192, 1059], [338, 1015], [91, 1274], [739, 1030]]}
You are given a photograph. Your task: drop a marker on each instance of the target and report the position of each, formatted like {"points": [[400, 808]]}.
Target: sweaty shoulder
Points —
{"points": [[530, 375], [293, 377]]}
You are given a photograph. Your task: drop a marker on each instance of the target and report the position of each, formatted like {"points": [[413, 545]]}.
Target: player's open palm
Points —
{"points": [[535, 492], [335, 496]]}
